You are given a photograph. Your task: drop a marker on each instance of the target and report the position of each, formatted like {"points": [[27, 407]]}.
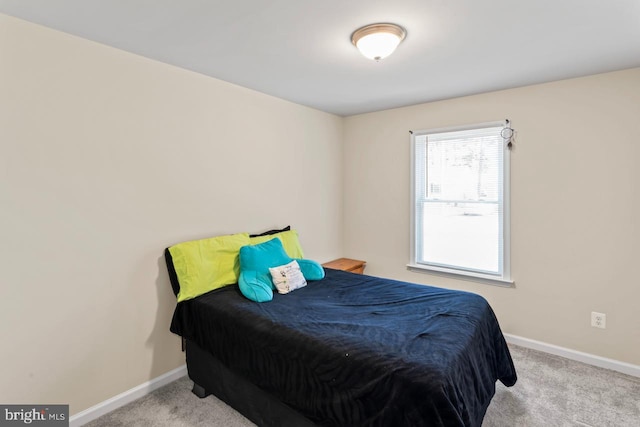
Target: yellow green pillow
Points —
{"points": [[207, 264], [289, 240]]}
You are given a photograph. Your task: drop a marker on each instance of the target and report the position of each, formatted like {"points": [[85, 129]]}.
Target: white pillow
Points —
{"points": [[287, 277]]}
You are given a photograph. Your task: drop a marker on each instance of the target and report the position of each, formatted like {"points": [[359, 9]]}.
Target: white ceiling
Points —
{"points": [[300, 50]]}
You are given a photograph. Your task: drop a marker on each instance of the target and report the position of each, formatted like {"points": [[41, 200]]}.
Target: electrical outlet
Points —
{"points": [[598, 320]]}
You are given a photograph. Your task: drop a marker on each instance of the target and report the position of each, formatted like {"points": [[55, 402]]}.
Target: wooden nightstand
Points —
{"points": [[346, 264]]}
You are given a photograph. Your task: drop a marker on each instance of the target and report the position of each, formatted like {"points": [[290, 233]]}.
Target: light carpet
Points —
{"points": [[551, 391]]}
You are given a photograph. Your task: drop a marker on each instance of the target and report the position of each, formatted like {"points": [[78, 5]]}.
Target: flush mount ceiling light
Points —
{"points": [[377, 41]]}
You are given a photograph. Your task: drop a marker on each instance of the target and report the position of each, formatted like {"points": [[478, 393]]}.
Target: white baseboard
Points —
{"points": [[590, 359], [128, 396]]}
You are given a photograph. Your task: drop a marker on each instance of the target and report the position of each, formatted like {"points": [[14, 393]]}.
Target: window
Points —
{"points": [[460, 210]]}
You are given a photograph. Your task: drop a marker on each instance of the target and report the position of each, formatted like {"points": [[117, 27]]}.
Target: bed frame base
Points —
{"points": [[210, 376], [199, 391]]}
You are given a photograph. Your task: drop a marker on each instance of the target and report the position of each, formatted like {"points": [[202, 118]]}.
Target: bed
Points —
{"points": [[347, 350]]}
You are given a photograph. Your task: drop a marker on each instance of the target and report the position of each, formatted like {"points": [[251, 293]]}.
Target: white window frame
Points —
{"points": [[503, 279]]}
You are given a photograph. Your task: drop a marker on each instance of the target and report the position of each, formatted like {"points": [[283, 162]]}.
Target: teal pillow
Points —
{"points": [[255, 286], [255, 260], [311, 270]]}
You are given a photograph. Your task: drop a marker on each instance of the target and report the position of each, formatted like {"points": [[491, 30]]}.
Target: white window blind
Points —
{"points": [[460, 203]]}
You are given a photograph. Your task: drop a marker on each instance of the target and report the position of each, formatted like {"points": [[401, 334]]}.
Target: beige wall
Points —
{"points": [[106, 158], [575, 205]]}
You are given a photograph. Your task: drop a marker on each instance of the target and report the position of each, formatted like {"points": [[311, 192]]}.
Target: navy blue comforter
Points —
{"points": [[356, 350]]}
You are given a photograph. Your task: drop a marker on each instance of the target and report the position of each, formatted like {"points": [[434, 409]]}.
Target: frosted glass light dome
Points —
{"points": [[377, 41]]}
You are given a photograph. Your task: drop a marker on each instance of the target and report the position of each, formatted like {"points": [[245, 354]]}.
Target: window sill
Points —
{"points": [[463, 275]]}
